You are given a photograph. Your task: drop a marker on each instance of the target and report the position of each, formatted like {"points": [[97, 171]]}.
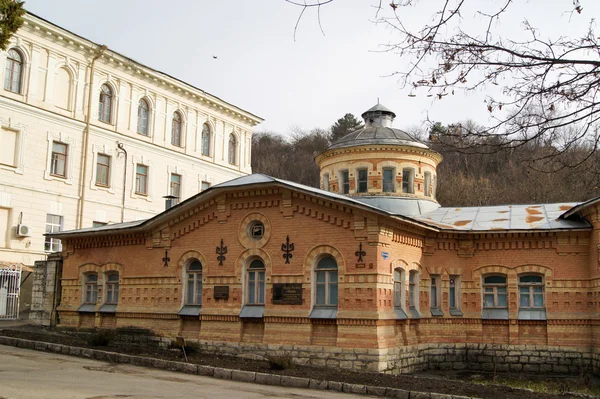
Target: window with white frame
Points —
{"points": [[143, 117], [54, 224], [98, 224], [14, 71], [141, 179], [112, 288], [255, 280], [495, 292], [362, 180], [344, 182], [105, 104], [90, 288], [326, 282], [58, 159], [413, 289], [103, 170], [427, 184], [388, 180], [193, 289], [326, 181], [454, 293], [232, 149], [531, 292], [175, 188], [176, 129], [206, 140], [399, 288], [408, 176], [204, 185]]}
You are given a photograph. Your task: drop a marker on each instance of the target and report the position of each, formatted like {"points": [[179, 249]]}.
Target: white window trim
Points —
{"points": [[457, 292], [394, 175], [316, 261], [103, 149], [416, 292], [24, 72], [105, 287], [114, 105], [341, 181], [20, 148], [403, 288], [146, 162], [437, 279], [182, 184], [70, 142], [204, 178]]}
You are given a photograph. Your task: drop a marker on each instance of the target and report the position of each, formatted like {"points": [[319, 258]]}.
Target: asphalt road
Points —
{"points": [[29, 374]]}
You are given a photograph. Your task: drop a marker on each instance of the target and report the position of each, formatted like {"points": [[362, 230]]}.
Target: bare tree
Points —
{"points": [[537, 83]]}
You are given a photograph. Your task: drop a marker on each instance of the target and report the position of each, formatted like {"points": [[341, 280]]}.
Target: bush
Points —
{"points": [[100, 338], [280, 362]]}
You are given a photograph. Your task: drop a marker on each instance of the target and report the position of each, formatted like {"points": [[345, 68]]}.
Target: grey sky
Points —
{"points": [[307, 83]]}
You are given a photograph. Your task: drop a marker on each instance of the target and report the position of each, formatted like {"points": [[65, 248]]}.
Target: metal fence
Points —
{"points": [[10, 284]]}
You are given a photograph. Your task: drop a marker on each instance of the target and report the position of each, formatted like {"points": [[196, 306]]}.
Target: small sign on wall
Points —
{"points": [[221, 292], [287, 294], [385, 255]]}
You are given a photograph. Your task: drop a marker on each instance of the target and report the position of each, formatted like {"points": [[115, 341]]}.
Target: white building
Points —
{"points": [[89, 137]]}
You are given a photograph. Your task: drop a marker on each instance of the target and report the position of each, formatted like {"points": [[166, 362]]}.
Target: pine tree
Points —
{"points": [[11, 19], [343, 126]]}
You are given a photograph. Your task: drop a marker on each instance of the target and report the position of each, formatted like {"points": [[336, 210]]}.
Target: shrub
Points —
{"points": [[279, 362]]}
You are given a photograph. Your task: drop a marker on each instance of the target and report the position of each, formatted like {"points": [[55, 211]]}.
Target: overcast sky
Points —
{"points": [[306, 83]]}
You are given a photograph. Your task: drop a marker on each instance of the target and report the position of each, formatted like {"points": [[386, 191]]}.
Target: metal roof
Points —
{"points": [[378, 108], [504, 218], [376, 135], [412, 210]]}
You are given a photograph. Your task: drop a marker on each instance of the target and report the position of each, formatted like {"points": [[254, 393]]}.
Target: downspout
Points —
{"points": [[86, 134], [120, 147]]}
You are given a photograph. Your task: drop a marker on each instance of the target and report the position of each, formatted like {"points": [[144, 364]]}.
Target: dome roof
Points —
{"points": [[378, 130]]}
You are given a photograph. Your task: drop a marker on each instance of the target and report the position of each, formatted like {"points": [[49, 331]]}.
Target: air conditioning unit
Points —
{"points": [[23, 231]]}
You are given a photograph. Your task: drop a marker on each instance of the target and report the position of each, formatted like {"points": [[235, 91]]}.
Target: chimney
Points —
{"points": [[170, 201]]}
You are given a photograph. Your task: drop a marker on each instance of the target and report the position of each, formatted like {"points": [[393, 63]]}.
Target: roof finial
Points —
{"points": [[377, 100]]}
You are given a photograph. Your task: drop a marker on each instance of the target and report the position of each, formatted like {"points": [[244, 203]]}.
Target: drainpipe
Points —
{"points": [[86, 133], [120, 147]]}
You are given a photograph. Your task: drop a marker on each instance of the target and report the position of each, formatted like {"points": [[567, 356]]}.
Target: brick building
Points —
{"points": [[369, 272]]}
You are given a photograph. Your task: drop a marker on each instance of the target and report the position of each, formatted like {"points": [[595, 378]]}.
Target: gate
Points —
{"points": [[10, 284]]}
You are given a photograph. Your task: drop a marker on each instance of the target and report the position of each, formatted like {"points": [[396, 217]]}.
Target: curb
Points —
{"points": [[223, 373]]}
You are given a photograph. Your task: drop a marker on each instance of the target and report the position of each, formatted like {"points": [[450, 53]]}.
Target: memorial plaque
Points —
{"points": [[221, 292], [287, 294]]}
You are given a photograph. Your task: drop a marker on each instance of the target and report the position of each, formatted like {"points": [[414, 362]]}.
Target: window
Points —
{"points": [[91, 288], [206, 140], [53, 224], [399, 288], [454, 293], [58, 161], [494, 292], [408, 180], [232, 149], [362, 180], [141, 179], [531, 292], [143, 116], [105, 104], [103, 170], [326, 282], [62, 88], [427, 184], [112, 288], [413, 289], [204, 186], [14, 71], [98, 224], [344, 182], [435, 293], [256, 283], [388, 180], [256, 230], [326, 181], [175, 188], [194, 283], [176, 130]]}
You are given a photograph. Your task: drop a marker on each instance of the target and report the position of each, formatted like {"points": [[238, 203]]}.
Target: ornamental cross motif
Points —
{"points": [[166, 259], [221, 251], [360, 253], [287, 248]]}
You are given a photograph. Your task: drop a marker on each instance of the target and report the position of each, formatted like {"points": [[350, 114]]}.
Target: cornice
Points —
{"points": [[45, 29], [426, 153]]}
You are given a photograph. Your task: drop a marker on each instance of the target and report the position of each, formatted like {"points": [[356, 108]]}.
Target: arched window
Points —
{"points": [[112, 288], [91, 288], [194, 283], [105, 104], [206, 140], [143, 116], [326, 282], [255, 278], [413, 289], [495, 292], [62, 88], [14, 71], [176, 130], [531, 292], [399, 288], [232, 149]]}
